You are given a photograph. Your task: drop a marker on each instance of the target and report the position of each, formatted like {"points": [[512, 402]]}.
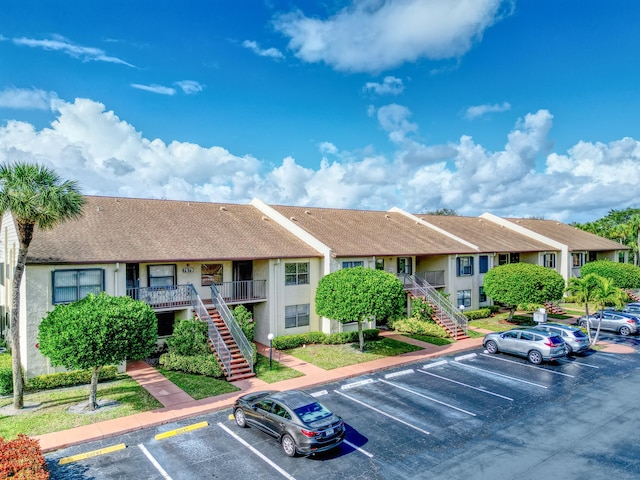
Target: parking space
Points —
{"points": [[400, 423]]}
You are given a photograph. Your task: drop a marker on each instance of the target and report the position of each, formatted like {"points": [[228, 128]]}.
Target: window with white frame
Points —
{"points": [[354, 264], [464, 266], [503, 258], [296, 273], [162, 275], [464, 298], [549, 260], [380, 264], [578, 259], [296, 316], [72, 285], [210, 273]]}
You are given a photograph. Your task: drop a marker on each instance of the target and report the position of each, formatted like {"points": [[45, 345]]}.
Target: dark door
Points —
{"points": [[242, 276], [133, 279]]}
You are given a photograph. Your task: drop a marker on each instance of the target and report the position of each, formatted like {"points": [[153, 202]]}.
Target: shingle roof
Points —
{"points": [[360, 233], [573, 237], [139, 230], [487, 235]]}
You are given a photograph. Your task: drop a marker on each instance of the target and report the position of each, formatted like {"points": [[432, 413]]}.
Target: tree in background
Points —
{"points": [[619, 225], [517, 284], [37, 199], [360, 294], [583, 288], [446, 212], [98, 331], [624, 275]]}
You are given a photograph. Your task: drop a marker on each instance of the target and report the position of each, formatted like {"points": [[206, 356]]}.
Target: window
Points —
{"points": [[352, 264], [503, 258], [162, 275], [464, 298], [166, 320], [526, 336], [210, 273], [464, 266], [405, 265], [296, 316], [72, 285], [482, 297], [483, 264], [578, 259], [380, 264], [296, 273], [549, 260], [514, 257]]}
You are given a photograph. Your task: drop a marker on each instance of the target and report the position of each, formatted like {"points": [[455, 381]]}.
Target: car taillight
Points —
{"points": [[550, 343], [631, 321], [308, 433]]}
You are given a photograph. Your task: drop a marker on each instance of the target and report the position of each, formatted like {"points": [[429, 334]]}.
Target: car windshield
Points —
{"points": [[312, 412], [579, 334]]}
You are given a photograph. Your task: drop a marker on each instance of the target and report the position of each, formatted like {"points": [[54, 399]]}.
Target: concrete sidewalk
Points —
{"points": [[178, 405]]}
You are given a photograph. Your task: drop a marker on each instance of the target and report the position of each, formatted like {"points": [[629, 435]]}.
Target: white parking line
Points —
{"points": [[381, 412], [501, 375], [276, 467], [427, 397], [575, 362], [466, 385], [155, 463], [364, 452], [502, 359]]}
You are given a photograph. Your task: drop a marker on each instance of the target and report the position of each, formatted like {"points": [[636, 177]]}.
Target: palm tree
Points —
{"points": [[607, 294], [36, 198], [583, 288]]}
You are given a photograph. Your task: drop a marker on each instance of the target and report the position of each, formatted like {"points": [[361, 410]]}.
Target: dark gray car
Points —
{"points": [[294, 418], [536, 345]]}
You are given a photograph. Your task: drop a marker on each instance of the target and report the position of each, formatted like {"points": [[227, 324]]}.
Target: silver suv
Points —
{"points": [[536, 345], [620, 322], [574, 338]]}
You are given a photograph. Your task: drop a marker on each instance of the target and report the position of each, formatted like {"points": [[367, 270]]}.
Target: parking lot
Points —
{"points": [[470, 416]]}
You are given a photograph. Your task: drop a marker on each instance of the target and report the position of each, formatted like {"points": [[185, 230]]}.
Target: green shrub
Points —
{"points": [[418, 327], [245, 321], [477, 314], [420, 309], [69, 379], [206, 364], [286, 342], [6, 374], [624, 275], [189, 338], [21, 458]]}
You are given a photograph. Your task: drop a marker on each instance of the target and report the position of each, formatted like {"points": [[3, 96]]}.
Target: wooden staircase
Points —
{"points": [[632, 295], [443, 320], [553, 308], [239, 369]]}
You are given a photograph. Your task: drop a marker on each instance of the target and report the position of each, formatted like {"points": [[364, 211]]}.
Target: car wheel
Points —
{"points": [[241, 420], [535, 357], [491, 346], [625, 331], [569, 349], [289, 446], [583, 324]]}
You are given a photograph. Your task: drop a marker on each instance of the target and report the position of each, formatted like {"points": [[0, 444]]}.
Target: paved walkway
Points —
{"points": [[178, 405]]}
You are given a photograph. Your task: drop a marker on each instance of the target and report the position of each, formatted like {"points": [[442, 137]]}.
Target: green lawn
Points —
{"points": [[335, 356], [52, 415], [276, 373], [430, 339], [198, 386]]}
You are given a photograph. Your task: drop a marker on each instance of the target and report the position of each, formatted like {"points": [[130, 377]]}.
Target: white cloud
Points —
{"points": [[268, 52], [108, 156], [190, 87], [480, 110], [160, 89], [61, 44], [26, 99], [389, 86], [372, 36]]}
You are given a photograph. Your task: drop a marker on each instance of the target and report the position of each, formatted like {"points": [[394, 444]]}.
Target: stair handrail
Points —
{"points": [[232, 324], [418, 286], [221, 348]]}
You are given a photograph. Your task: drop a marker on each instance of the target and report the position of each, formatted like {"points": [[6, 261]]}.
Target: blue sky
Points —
{"points": [[518, 108]]}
